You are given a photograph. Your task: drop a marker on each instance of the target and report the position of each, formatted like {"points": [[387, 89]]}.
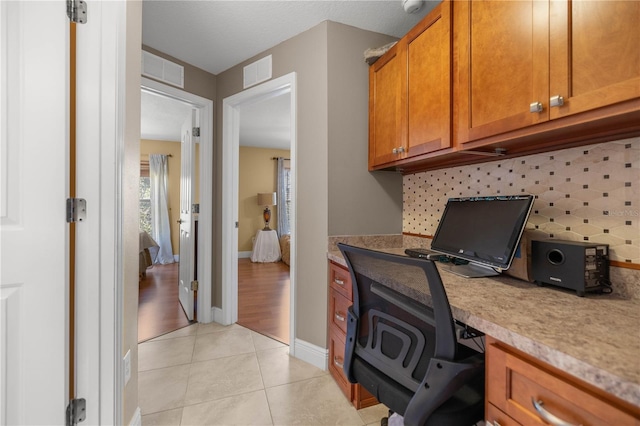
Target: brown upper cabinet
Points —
{"points": [[484, 77], [410, 93], [521, 63]]}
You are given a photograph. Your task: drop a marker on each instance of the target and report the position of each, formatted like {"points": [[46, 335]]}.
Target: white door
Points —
{"points": [[34, 40], [186, 294]]}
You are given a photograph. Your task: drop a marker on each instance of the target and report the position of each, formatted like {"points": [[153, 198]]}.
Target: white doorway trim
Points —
{"points": [[230, 148], [205, 218]]}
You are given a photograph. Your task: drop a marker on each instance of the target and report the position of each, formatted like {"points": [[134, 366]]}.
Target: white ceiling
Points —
{"points": [[162, 117], [215, 35]]}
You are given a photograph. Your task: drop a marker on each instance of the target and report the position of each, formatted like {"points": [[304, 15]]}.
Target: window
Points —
{"points": [[144, 195], [287, 190]]}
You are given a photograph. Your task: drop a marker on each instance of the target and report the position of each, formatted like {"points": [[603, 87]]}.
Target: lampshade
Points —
{"points": [[267, 199]]}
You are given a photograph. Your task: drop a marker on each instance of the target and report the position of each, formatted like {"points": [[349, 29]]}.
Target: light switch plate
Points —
{"points": [[127, 366]]}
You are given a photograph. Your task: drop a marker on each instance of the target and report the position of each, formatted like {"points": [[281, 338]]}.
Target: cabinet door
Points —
{"points": [[595, 54], [387, 114], [501, 66], [429, 83]]}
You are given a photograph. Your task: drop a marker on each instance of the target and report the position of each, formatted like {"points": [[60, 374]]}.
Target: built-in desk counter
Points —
{"points": [[594, 338]]}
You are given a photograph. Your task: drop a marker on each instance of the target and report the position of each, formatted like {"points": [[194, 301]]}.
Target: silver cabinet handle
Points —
{"points": [[394, 150], [401, 150], [547, 416], [556, 101], [535, 107], [338, 281], [337, 362], [339, 317]]}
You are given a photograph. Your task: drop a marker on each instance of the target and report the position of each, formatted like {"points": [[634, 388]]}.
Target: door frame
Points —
{"points": [[230, 163], [205, 217]]}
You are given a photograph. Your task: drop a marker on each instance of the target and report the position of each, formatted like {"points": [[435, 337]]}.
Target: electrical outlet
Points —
{"points": [[127, 366]]}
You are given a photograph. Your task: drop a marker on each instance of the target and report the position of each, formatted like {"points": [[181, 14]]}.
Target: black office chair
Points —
{"points": [[406, 353]]}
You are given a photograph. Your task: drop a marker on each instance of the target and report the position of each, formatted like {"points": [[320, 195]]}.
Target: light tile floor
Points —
{"points": [[208, 374]]}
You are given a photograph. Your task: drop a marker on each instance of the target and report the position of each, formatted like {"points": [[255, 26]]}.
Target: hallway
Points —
{"points": [[208, 374]]}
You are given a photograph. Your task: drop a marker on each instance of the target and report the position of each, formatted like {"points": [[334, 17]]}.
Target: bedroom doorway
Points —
{"points": [[263, 248], [160, 308], [233, 107]]}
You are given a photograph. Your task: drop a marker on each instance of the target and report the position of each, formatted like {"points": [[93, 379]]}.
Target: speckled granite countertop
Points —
{"points": [[594, 338]]}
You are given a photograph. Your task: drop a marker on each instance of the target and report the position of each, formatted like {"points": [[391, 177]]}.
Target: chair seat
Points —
{"points": [[465, 407]]}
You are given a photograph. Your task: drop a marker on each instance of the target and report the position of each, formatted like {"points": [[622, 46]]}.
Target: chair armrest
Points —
{"points": [[443, 379]]}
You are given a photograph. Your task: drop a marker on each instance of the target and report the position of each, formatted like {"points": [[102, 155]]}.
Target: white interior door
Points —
{"points": [[34, 84], [186, 294]]}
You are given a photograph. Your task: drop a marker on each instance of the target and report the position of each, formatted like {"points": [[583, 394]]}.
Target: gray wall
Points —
{"points": [[306, 55], [331, 121], [360, 202]]}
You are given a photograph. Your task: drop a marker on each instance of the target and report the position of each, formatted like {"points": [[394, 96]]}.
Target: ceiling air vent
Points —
{"points": [[160, 69], [257, 72]]}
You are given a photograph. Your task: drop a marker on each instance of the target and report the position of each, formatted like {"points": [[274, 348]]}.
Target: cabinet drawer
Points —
{"points": [[336, 362], [340, 280], [516, 381], [338, 306], [495, 417]]}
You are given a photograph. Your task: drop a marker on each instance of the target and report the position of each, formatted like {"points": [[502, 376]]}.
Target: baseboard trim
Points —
{"points": [[244, 254], [216, 314], [314, 355], [136, 420]]}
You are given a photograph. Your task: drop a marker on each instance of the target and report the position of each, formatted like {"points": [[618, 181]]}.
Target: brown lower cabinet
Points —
{"points": [[340, 298], [515, 381]]}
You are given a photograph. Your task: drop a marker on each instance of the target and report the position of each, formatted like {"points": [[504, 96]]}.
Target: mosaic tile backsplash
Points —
{"points": [[590, 193]]}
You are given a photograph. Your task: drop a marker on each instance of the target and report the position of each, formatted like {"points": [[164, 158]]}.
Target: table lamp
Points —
{"points": [[266, 199]]}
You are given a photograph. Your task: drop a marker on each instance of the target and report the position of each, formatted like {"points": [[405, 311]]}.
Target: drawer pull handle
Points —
{"points": [[337, 362], [339, 317], [547, 416], [338, 281]]}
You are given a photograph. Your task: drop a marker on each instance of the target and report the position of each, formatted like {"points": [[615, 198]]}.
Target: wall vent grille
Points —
{"points": [[257, 72], [163, 70]]}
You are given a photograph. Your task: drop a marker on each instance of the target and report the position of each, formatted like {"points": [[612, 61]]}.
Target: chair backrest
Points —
{"points": [[393, 282], [411, 343]]}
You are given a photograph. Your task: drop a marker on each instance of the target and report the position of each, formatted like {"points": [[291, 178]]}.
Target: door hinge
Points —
{"points": [[76, 210], [196, 132], [194, 285], [76, 411], [77, 11]]}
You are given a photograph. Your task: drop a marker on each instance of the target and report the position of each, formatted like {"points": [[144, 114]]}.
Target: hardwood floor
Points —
{"points": [[263, 298], [159, 310]]}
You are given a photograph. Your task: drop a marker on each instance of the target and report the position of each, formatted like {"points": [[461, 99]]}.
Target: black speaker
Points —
{"points": [[574, 265]]}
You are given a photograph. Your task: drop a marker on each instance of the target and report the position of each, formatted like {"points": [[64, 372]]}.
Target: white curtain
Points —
{"points": [[160, 228], [283, 214]]}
